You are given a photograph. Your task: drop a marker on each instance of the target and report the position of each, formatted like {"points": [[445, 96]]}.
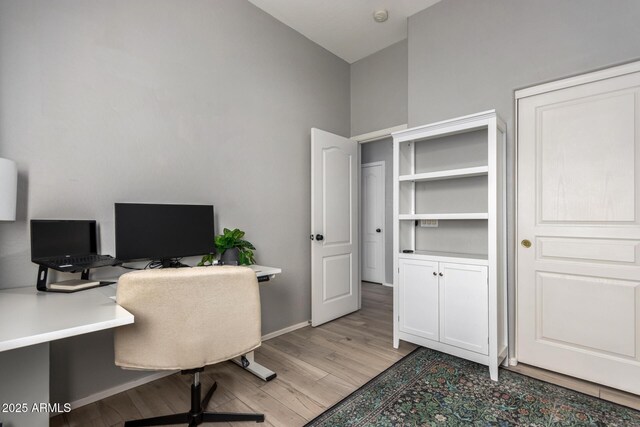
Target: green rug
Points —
{"points": [[429, 388]]}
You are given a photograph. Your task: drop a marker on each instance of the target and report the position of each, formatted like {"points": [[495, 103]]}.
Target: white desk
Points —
{"points": [[29, 320], [29, 317]]}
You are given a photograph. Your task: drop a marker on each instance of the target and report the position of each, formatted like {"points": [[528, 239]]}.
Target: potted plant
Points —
{"points": [[233, 249]]}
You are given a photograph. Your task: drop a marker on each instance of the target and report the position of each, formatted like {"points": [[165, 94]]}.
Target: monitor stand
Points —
{"points": [[43, 272]]}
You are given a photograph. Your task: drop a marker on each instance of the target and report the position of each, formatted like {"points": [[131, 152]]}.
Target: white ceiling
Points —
{"points": [[346, 27]]}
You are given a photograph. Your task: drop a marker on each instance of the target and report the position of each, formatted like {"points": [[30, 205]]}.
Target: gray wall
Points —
{"points": [[382, 151], [469, 56], [379, 90], [163, 101], [379, 101]]}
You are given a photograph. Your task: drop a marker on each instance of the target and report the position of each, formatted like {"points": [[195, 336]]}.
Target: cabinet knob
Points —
{"points": [[440, 274], [435, 274]]}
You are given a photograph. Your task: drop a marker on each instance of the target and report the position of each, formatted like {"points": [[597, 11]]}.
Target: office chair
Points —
{"points": [[185, 319]]}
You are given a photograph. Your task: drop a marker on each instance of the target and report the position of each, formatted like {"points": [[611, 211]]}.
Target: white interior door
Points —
{"points": [[578, 257], [373, 218], [335, 285]]}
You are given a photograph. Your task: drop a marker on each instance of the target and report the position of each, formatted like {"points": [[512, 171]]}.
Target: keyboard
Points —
{"points": [[84, 259], [78, 263]]}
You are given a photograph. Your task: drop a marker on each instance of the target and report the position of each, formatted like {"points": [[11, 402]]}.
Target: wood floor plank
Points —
{"points": [[316, 356], [313, 388], [148, 403], [363, 354], [289, 396], [82, 416], [117, 409], [278, 414], [268, 355], [237, 406]]}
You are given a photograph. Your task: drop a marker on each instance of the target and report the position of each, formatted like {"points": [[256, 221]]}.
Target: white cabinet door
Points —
{"points": [[418, 294], [464, 314]]}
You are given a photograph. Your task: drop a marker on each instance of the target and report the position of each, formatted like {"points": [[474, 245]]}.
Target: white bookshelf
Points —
{"points": [[450, 280]]}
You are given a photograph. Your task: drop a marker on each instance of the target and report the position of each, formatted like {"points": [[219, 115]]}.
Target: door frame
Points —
{"points": [[363, 139], [384, 219], [563, 83]]}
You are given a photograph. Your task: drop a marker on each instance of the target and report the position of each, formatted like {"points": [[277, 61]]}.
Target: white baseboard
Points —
{"points": [[285, 330], [119, 389], [157, 375], [513, 361], [390, 285]]}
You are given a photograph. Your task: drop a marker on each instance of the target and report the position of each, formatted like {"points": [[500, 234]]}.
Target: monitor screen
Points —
{"points": [[55, 238], [161, 232]]}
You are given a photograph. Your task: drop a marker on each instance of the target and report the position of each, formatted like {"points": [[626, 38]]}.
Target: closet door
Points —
{"points": [[578, 234]]}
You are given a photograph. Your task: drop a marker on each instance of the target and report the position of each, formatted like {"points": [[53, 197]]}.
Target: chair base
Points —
{"points": [[197, 415], [195, 420]]}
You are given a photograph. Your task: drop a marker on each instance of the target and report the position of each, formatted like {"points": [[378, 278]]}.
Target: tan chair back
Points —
{"points": [[187, 318]]}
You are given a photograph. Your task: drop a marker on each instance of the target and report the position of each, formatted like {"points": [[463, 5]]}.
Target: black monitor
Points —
{"points": [[163, 232], [54, 238]]}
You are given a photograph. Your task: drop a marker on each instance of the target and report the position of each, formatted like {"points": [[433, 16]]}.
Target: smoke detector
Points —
{"points": [[380, 15]]}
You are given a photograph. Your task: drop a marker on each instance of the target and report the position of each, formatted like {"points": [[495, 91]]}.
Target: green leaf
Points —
{"points": [[245, 244]]}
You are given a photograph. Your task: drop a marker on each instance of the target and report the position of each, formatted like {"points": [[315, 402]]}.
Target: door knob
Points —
{"points": [[378, 230], [319, 237], [526, 243]]}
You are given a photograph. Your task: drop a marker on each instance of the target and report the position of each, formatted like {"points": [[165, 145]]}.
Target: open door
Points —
{"points": [[335, 284]]}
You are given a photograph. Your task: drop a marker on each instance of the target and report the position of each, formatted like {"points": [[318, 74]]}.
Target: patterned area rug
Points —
{"points": [[428, 388]]}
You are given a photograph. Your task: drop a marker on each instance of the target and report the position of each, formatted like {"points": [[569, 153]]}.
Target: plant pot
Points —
{"points": [[230, 256]]}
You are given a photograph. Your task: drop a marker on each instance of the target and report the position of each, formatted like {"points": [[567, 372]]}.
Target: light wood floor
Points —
{"points": [[316, 368]]}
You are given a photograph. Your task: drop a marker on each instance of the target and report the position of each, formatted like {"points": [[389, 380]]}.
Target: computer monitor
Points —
{"points": [[163, 232], [53, 238]]}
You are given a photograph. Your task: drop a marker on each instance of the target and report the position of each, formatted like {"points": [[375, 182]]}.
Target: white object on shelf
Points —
{"points": [[450, 292]]}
